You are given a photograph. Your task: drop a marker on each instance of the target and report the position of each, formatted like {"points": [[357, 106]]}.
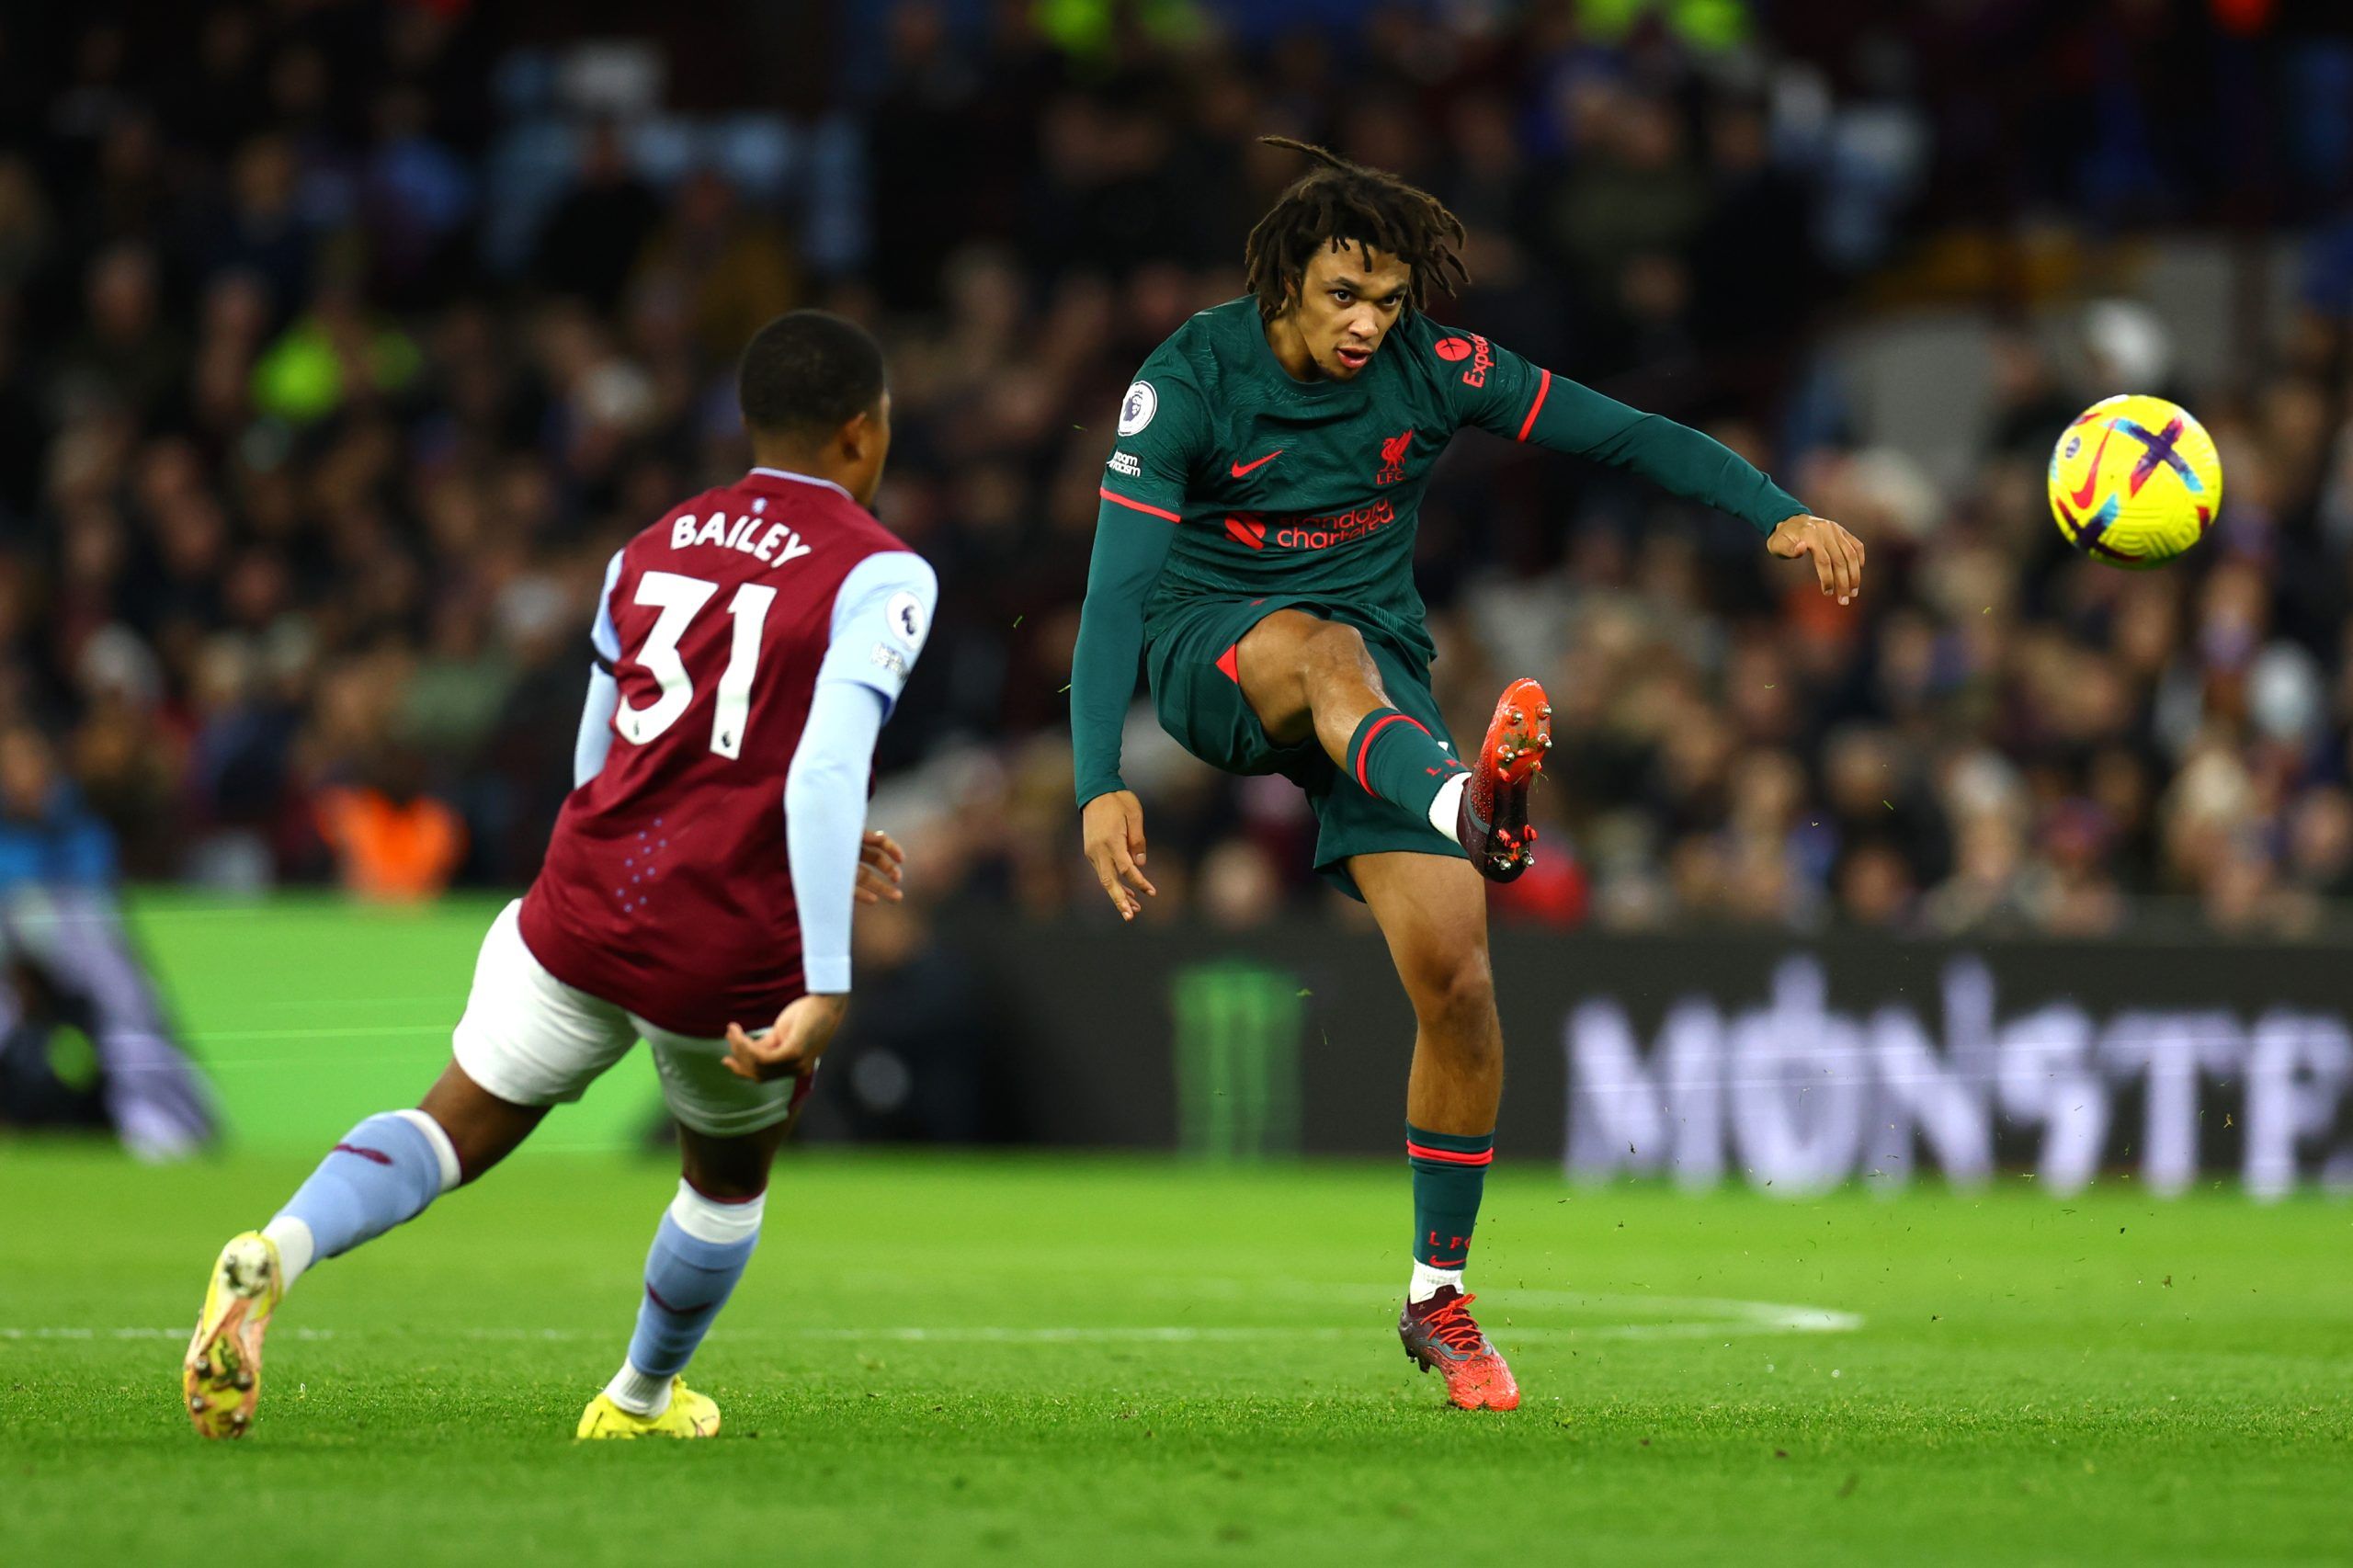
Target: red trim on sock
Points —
{"points": [[1449, 1156], [1529, 423], [1365, 749], [1155, 511]]}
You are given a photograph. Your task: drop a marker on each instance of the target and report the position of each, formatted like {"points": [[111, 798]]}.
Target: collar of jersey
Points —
{"points": [[804, 478]]}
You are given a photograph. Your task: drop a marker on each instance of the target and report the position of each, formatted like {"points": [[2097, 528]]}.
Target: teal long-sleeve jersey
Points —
{"points": [[1233, 479]]}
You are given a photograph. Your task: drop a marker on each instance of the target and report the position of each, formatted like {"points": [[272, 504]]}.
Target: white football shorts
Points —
{"points": [[531, 1039]]}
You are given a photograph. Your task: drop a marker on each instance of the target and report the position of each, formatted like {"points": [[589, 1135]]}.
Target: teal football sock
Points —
{"points": [[1449, 1172], [1393, 755]]}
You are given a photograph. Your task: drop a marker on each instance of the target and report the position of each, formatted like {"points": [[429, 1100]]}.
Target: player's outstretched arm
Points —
{"points": [[1837, 556], [1677, 459], [1525, 403]]}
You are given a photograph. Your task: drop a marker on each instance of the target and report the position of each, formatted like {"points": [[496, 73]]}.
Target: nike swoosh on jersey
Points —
{"points": [[1241, 469]]}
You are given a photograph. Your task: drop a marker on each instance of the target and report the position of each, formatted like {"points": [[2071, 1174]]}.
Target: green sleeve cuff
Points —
{"points": [[1777, 507]]}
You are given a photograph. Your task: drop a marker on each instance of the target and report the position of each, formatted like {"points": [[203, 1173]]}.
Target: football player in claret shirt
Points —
{"points": [[700, 878], [1255, 545]]}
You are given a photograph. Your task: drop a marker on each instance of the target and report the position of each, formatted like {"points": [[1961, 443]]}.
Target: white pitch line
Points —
{"points": [[1733, 1317]]}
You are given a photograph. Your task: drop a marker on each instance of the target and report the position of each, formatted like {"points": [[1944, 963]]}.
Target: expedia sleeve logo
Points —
{"points": [[1475, 349], [1138, 407]]}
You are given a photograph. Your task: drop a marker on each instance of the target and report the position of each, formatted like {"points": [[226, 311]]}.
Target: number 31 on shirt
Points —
{"points": [[679, 598]]}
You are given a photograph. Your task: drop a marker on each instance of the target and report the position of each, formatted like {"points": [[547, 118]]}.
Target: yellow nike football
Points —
{"points": [[2134, 482]]}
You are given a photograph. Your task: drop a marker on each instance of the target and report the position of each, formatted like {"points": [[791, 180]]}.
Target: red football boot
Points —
{"points": [[1492, 823], [1441, 1336]]}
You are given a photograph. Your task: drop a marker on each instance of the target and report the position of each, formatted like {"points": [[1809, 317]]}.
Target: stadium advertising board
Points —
{"points": [[1793, 1066], [1790, 1091]]}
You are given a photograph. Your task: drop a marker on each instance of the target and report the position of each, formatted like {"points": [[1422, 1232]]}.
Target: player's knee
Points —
{"points": [[1454, 993], [1335, 651], [482, 1129], [478, 1145]]}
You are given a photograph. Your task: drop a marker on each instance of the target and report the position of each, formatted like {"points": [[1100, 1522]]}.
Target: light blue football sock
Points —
{"points": [[385, 1171], [698, 1253]]}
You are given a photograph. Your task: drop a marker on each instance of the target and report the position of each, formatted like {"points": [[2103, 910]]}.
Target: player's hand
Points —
{"points": [[792, 1048], [1838, 554], [881, 867], [1112, 829]]}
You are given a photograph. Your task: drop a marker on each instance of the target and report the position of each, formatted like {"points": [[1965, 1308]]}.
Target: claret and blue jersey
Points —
{"points": [[756, 632]]}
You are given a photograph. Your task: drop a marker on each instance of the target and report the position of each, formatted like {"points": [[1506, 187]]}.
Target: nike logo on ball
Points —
{"points": [[1240, 469], [2091, 475]]}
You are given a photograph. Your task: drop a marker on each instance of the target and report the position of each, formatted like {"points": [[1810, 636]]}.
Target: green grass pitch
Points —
{"points": [[1064, 1360]]}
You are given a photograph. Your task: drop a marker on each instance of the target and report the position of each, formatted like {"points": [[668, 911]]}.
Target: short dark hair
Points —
{"points": [[1341, 203], [808, 372]]}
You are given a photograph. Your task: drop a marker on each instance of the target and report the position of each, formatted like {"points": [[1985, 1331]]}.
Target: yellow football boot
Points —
{"points": [[222, 1374], [689, 1414]]}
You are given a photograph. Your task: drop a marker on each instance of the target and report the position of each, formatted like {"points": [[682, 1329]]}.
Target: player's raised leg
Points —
{"points": [[1433, 909], [1306, 676], [383, 1171], [700, 1249]]}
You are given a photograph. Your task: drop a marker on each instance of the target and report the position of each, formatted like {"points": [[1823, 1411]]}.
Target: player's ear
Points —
{"points": [[857, 435], [866, 431]]}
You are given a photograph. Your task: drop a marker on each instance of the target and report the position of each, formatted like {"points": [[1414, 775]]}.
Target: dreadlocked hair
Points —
{"points": [[1338, 203]]}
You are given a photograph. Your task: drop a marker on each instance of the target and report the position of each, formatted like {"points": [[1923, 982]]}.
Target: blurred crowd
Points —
{"points": [[342, 341]]}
